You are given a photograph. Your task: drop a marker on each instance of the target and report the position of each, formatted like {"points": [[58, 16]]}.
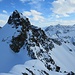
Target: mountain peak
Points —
{"points": [[17, 19], [15, 14], [16, 11]]}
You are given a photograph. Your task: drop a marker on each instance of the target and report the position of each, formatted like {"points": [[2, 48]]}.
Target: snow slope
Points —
{"points": [[7, 57], [64, 57], [32, 67], [64, 54]]}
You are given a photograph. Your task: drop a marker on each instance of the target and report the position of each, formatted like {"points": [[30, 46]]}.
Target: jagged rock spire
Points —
{"points": [[18, 19]]}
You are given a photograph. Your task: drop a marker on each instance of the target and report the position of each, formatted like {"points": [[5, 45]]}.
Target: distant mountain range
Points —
{"points": [[28, 50]]}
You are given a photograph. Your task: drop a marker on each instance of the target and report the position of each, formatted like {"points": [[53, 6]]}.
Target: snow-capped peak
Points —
{"points": [[18, 19]]}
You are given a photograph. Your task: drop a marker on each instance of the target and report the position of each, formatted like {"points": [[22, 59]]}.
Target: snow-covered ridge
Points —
{"points": [[32, 67], [65, 33]]}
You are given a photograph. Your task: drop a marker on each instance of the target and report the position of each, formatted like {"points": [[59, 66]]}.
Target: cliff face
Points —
{"points": [[30, 37]]}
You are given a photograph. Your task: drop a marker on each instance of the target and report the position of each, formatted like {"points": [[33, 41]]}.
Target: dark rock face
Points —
{"points": [[17, 19], [0, 27], [18, 42], [56, 41], [28, 32], [24, 73], [71, 73], [57, 68]]}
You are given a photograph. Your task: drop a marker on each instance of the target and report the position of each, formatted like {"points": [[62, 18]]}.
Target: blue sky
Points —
{"points": [[40, 12]]}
